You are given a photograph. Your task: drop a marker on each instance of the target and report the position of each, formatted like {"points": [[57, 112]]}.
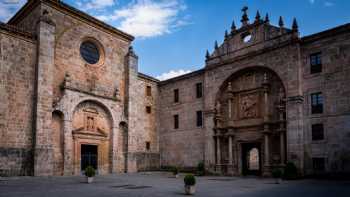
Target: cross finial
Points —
{"points": [[245, 19], [245, 9]]}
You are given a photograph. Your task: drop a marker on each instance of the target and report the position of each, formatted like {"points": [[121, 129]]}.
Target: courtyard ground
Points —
{"points": [[157, 184]]}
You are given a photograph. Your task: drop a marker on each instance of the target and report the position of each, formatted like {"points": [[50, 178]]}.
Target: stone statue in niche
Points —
{"points": [[249, 106]]}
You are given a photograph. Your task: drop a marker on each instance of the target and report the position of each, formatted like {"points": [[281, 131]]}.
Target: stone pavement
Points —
{"points": [[158, 184]]}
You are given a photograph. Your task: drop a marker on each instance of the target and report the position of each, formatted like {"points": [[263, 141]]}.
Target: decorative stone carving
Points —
{"points": [[248, 106]]}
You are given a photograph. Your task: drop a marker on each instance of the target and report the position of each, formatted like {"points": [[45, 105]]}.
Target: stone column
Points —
{"points": [[267, 151], [282, 148], [43, 150], [230, 108], [230, 158], [68, 147], [218, 154]]}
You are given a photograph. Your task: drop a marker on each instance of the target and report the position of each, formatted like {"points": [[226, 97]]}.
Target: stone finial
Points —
{"points": [[267, 19], [280, 22], [295, 25], [245, 19], [45, 17], [131, 52], [233, 27], [207, 55], [226, 34], [257, 17], [216, 46]]}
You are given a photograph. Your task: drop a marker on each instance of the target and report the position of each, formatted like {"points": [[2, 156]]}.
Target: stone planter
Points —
{"points": [[90, 179], [177, 175], [190, 189]]}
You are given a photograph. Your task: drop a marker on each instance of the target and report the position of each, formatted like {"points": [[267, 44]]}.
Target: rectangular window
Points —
{"points": [[316, 103], [176, 95], [148, 109], [199, 90], [317, 132], [199, 118], [148, 146], [176, 121], [149, 91], [318, 164], [315, 63]]}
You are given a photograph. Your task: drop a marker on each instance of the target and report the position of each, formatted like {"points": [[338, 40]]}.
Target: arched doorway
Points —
{"points": [[249, 121], [92, 129]]}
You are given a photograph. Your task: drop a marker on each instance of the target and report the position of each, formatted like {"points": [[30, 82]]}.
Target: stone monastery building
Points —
{"points": [[71, 96]]}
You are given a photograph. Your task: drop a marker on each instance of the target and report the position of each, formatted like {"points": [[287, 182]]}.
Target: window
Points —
{"points": [[318, 164], [176, 121], [317, 132], [199, 90], [149, 91], [315, 63], [176, 95], [199, 118], [90, 52], [148, 109], [316, 103], [148, 146]]}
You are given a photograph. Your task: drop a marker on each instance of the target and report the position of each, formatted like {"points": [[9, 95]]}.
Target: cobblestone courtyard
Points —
{"points": [[162, 184]]}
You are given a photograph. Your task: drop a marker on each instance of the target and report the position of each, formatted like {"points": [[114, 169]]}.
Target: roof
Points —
{"points": [[327, 33], [185, 76], [31, 4], [144, 76], [16, 30]]}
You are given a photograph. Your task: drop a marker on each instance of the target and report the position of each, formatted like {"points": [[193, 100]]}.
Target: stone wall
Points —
{"points": [[17, 71], [182, 147], [333, 83]]}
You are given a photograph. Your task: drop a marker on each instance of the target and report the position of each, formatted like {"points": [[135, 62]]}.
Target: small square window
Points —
{"points": [[319, 164], [148, 109], [316, 103], [148, 146], [176, 95], [199, 118], [149, 91], [317, 132], [199, 90], [315, 63], [176, 121]]}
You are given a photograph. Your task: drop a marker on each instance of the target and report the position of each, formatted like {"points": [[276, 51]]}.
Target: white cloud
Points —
{"points": [[95, 4], [312, 1], [328, 4], [148, 18], [9, 7], [172, 74]]}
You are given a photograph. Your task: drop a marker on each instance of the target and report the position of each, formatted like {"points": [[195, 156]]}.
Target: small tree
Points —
{"points": [[190, 180], [90, 171], [290, 171], [200, 169], [175, 170], [277, 174]]}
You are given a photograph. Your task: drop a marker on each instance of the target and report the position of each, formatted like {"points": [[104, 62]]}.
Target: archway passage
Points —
{"points": [[250, 124], [89, 156], [251, 164]]}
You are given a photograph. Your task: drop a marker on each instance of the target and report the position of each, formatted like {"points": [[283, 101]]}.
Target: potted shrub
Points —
{"points": [[290, 171], [175, 171], [277, 174], [90, 173], [200, 169], [190, 182]]}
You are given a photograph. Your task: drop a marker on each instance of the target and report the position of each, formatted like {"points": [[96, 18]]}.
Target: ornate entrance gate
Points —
{"points": [[88, 156], [251, 162]]}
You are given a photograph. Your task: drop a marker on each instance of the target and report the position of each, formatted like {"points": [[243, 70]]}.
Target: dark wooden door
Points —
{"points": [[88, 156]]}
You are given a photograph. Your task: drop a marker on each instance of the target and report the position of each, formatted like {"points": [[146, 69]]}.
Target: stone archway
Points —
{"points": [[92, 126], [250, 109]]}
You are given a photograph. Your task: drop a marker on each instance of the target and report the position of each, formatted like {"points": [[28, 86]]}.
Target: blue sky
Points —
{"points": [[173, 35]]}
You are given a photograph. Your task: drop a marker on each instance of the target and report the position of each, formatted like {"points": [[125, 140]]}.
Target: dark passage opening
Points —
{"points": [[88, 156], [251, 159]]}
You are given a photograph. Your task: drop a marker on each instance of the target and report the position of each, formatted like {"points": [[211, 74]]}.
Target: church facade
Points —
{"points": [[71, 96]]}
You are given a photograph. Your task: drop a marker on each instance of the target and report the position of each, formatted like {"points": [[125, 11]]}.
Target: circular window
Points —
{"points": [[90, 52], [247, 38]]}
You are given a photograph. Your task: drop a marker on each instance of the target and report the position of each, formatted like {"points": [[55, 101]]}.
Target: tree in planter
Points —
{"points": [[190, 182], [200, 169], [175, 171], [290, 171], [90, 173], [277, 174]]}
